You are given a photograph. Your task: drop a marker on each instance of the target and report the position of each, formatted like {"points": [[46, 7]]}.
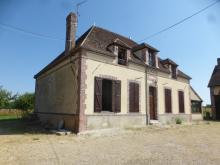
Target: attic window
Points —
{"points": [[122, 56], [152, 60]]}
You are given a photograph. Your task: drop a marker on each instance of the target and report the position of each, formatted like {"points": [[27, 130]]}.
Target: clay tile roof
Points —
{"points": [[215, 78], [98, 39]]}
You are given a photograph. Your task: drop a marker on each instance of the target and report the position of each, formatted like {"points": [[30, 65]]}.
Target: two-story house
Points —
{"points": [[105, 80]]}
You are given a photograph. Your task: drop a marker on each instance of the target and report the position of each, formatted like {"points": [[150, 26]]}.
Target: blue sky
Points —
{"points": [[194, 45]]}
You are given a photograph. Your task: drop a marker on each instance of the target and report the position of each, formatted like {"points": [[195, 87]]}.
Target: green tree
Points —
{"points": [[5, 98], [24, 101]]}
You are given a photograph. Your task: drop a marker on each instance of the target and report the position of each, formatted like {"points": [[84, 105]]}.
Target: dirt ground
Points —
{"points": [[194, 144]]}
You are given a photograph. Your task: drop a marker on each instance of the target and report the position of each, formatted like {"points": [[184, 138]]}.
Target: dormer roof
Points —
{"points": [[142, 46]]}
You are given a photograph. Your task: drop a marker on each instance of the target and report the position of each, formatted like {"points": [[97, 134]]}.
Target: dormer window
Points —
{"points": [[173, 70], [122, 56], [151, 59]]}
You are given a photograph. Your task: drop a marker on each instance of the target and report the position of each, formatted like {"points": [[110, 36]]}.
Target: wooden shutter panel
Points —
{"points": [[136, 98], [98, 95], [117, 96], [168, 103], [133, 97], [181, 102]]}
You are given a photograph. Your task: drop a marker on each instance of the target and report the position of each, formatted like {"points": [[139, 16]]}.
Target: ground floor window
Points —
{"points": [[181, 102], [133, 97], [196, 107], [107, 95], [168, 100]]}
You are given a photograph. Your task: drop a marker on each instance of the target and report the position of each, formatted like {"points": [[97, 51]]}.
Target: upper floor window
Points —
{"points": [[152, 61], [122, 56], [173, 71]]}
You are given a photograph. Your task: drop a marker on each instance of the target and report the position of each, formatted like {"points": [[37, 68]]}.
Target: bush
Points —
{"points": [[178, 121], [25, 102]]}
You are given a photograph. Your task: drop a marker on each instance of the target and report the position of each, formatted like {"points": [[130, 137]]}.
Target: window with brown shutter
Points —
{"points": [[181, 102], [107, 95], [98, 95], [133, 97], [168, 101]]}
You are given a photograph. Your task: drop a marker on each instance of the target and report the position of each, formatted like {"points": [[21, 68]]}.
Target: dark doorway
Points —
{"points": [[107, 95], [152, 103], [217, 107]]}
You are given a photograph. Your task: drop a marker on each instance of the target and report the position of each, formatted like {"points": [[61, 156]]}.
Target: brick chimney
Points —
{"points": [[218, 60], [71, 25]]}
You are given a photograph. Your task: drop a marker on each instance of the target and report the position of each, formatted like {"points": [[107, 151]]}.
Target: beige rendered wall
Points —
{"points": [[57, 89], [103, 66], [175, 86], [193, 96]]}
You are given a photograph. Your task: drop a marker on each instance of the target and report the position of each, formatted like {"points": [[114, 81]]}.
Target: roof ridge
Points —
{"points": [[116, 34]]}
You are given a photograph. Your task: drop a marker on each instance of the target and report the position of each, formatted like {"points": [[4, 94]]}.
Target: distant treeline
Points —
{"points": [[17, 101]]}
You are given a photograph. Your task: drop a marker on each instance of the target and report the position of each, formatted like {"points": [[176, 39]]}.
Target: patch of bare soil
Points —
{"points": [[196, 144]]}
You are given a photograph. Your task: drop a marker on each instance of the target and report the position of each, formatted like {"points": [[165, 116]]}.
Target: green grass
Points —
{"points": [[7, 117]]}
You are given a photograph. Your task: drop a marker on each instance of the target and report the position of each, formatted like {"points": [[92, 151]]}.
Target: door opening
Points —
{"points": [[152, 103], [217, 107], [107, 95]]}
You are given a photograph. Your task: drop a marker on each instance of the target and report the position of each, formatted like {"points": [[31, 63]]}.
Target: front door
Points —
{"points": [[152, 103], [217, 107]]}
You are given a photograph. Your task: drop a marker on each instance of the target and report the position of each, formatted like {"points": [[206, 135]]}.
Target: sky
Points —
{"points": [[193, 45]]}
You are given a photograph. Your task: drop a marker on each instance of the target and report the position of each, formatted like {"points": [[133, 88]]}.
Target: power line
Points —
{"points": [[10, 27], [181, 21]]}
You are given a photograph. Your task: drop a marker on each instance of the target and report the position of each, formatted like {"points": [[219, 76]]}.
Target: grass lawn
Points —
{"points": [[7, 117]]}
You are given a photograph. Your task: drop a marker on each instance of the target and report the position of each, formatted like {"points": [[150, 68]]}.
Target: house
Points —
{"points": [[214, 85], [104, 80], [196, 105]]}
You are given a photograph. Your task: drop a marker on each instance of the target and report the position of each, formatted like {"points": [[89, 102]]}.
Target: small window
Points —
{"points": [[122, 56], [196, 107], [168, 101], [152, 61], [173, 70], [181, 102]]}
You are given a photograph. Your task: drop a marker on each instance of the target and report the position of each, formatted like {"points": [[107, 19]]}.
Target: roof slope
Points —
{"points": [[215, 78], [98, 39]]}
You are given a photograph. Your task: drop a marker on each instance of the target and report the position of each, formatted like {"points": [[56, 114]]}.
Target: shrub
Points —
{"points": [[178, 121]]}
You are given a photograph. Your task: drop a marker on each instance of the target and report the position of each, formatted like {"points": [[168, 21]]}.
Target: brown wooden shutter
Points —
{"points": [[181, 102], [136, 98], [117, 96], [133, 97], [98, 95], [168, 103]]}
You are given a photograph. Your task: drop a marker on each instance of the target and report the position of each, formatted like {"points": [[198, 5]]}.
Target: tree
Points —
{"points": [[25, 101], [5, 98]]}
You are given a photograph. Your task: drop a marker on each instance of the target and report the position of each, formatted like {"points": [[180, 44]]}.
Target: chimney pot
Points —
{"points": [[71, 26]]}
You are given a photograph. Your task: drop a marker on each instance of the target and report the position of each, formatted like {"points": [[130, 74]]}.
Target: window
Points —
{"points": [[168, 102], [173, 70], [181, 102], [152, 61], [122, 56], [107, 95], [196, 106], [133, 97]]}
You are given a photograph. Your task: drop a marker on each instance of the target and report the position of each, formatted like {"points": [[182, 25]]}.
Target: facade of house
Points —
{"points": [[105, 80], [214, 85]]}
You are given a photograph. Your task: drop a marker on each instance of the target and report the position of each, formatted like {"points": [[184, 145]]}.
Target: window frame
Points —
{"points": [[165, 101]]}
